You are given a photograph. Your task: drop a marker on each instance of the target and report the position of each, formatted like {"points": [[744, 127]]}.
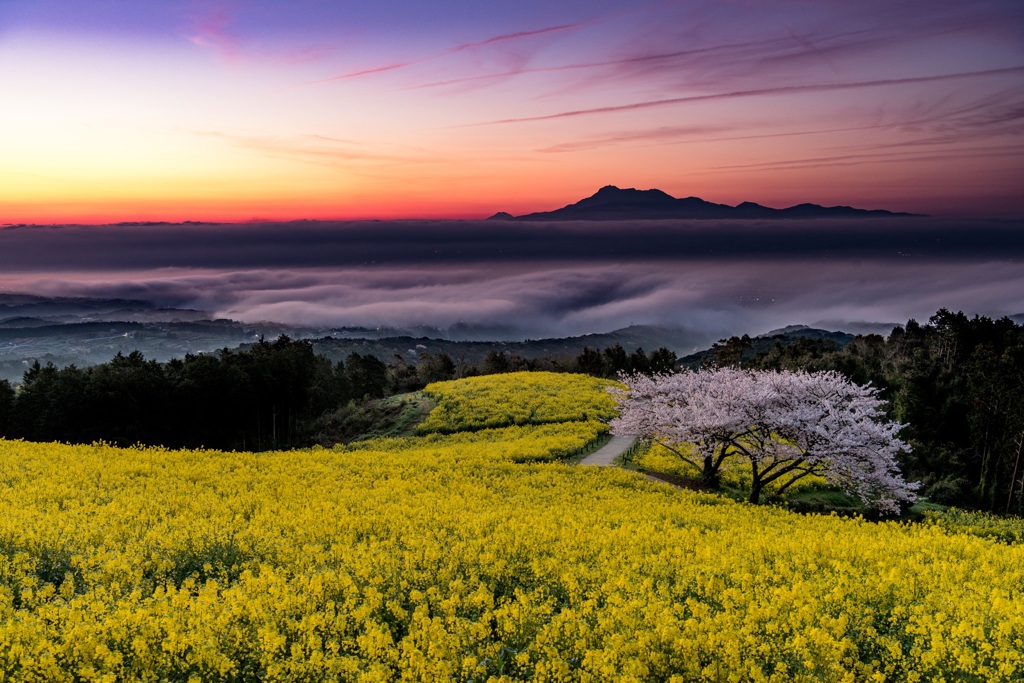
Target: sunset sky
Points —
{"points": [[120, 110]]}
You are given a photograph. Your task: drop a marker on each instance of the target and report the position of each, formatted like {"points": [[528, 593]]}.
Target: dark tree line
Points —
{"points": [[263, 397], [614, 361], [254, 399], [609, 363], [957, 382]]}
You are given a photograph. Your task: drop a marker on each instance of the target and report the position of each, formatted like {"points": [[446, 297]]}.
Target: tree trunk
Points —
{"points": [[709, 475], [1013, 479], [755, 491]]}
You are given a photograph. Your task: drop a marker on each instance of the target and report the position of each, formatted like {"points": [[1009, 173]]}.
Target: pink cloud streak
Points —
{"points": [[757, 92], [444, 53]]}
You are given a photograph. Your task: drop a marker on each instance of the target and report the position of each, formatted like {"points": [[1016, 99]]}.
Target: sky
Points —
{"points": [[175, 110]]}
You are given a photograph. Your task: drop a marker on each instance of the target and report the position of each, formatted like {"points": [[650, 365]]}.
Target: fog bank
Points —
{"points": [[540, 279]]}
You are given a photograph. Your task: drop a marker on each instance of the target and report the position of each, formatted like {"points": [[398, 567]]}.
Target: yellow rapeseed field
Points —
{"points": [[517, 398], [461, 558]]}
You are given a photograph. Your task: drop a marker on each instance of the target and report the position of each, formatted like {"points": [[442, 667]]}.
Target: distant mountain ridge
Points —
{"points": [[613, 203]]}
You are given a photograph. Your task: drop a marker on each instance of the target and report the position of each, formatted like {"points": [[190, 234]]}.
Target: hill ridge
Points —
{"points": [[612, 203]]}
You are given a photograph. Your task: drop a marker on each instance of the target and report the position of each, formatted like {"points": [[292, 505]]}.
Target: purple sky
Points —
{"points": [[228, 110]]}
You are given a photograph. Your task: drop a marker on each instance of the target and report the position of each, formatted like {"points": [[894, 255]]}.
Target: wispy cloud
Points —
{"points": [[487, 42], [786, 51], [878, 158], [759, 92], [212, 27], [708, 60], [679, 134], [319, 149], [512, 36], [626, 61], [941, 123]]}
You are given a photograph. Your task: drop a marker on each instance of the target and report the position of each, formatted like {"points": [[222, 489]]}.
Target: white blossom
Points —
{"points": [[785, 425]]}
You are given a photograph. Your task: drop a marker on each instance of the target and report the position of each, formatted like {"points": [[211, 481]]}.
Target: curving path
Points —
{"points": [[605, 455]]}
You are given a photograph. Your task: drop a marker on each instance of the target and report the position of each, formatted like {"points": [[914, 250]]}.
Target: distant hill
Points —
{"points": [[764, 342], [87, 331], [28, 310], [24, 321], [613, 203], [647, 337], [841, 337]]}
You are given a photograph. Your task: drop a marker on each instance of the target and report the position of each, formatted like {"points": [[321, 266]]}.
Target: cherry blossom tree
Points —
{"points": [[784, 425]]}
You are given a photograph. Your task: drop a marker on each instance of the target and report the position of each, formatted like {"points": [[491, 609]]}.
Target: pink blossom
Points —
{"points": [[785, 425]]}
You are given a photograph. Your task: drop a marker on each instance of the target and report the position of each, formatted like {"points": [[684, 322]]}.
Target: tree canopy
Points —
{"points": [[782, 424]]}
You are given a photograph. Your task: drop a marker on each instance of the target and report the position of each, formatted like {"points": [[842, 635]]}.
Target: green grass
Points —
{"points": [[397, 415], [825, 500]]}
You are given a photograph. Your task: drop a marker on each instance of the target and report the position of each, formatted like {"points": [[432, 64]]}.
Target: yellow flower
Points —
{"points": [[472, 556]]}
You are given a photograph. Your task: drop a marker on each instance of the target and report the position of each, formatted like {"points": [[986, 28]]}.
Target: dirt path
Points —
{"points": [[606, 455]]}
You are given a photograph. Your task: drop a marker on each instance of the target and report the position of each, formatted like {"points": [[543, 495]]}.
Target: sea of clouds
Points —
{"points": [[537, 279]]}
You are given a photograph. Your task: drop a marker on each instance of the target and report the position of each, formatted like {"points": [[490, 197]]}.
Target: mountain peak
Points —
{"points": [[615, 203], [614, 190]]}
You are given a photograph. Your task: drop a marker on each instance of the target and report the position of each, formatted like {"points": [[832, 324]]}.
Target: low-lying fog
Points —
{"points": [[537, 279]]}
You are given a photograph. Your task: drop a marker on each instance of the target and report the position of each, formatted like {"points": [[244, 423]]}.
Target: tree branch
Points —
{"points": [[678, 454]]}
